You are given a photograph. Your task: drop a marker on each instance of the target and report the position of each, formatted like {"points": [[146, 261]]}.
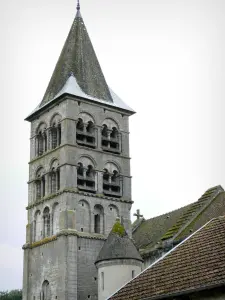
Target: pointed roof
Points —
{"points": [[78, 57], [118, 246]]}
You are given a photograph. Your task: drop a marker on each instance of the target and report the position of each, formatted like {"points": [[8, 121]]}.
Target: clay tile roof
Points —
{"points": [[78, 58], [118, 246], [196, 263]]}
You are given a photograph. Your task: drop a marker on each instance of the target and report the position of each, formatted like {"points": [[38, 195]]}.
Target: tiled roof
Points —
{"points": [[151, 233], [197, 263], [118, 246]]}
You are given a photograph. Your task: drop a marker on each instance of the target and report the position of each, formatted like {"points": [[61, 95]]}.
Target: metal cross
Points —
{"points": [[78, 4], [138, 215]]}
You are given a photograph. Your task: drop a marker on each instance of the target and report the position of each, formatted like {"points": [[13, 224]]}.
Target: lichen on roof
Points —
{"points": [[118, 246], [119, 229]]}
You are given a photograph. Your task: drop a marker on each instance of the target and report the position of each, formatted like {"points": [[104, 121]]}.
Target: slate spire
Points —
{"points": [[78, 57]]}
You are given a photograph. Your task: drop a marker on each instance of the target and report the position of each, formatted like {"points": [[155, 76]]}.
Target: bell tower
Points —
{"points": [[79, 175]]}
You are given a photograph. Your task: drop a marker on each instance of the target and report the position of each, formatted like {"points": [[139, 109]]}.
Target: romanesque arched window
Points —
{"points": [[98, 219], [86, 175], [46, 293], [54, 177], [112, 181], [55, 132], [46, 222], [41, 139], [40, 184], [86, 132], [37, 226], [111, 137]]}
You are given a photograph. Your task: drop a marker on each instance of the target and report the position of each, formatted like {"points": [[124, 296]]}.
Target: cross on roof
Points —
{"points": [[138, 215], [78, 5]]}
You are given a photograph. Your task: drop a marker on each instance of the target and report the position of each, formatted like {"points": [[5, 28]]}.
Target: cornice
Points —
{"points": [[76, 191]]}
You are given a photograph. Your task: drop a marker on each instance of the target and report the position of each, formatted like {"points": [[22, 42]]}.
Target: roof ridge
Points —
{"points": [[192, 213]]}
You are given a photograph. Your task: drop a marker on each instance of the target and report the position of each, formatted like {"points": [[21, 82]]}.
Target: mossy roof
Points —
{"points": [[151, 233], [118, 246]]}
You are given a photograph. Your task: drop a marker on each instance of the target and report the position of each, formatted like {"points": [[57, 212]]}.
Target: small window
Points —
{"points": [[82, 229], [102, 280], [133, 274]]}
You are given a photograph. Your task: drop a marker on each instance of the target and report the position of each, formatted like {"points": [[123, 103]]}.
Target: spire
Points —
{"points": [[78, 57], [118, 245]]}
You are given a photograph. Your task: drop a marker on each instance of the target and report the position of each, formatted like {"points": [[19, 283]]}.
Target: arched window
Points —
{"points": [[86, 131], [40, 184], [86, 175], [37, 226], [46, 294], [112, 181], [111, 138], [55, 132], [46, 222], [98, 219], [54, 177], [41, 140]]}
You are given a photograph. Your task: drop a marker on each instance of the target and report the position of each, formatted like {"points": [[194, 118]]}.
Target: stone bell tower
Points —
{"points": [[79, 175]]}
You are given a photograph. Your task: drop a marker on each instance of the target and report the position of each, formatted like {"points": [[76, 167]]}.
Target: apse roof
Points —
{"points": [[118, 246]]}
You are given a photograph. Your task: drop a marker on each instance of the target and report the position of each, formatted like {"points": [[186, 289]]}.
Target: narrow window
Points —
{"points": [[54, 137], [59, 134], [97, 223], [53, 181], [102, 280], [38, 189], [45, 142], [43, 186], [58, 179], [133, 274]]}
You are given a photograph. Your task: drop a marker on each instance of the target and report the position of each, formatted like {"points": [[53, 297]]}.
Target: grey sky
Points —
{"points": [[164, 58]]}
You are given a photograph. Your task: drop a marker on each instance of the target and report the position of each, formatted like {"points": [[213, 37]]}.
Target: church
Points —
{"points": [[80, 243]]}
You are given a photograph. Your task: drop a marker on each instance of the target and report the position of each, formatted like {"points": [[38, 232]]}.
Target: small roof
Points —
{"points": [[195, 264], [118, 246]]}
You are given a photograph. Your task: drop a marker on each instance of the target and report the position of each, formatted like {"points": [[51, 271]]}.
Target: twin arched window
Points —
{"points": [[53, 178], [45, 224], [112, 181], [86, 175], [111, 138], [47, 139], [86, 133]]}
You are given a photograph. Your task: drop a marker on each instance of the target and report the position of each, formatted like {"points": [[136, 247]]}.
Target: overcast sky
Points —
{"points": [[164, 58]]}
